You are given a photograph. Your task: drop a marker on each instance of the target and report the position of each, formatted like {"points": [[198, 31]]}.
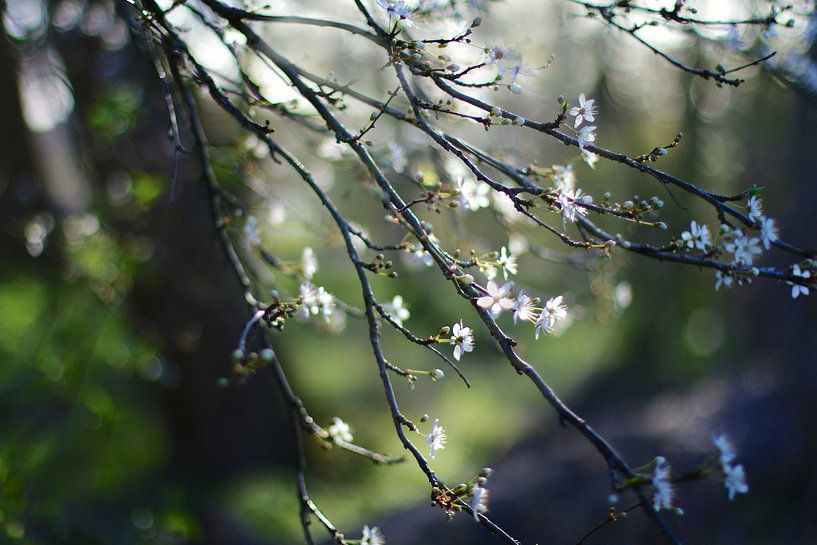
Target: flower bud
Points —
{"points": [[437, 374]]}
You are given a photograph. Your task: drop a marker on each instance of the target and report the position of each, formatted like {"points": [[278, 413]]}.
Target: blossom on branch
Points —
{"points": [[662, 485], [462, 338], [372, 536], [496, 299], [797, 289], [587, 135], [340, 430], [554, 311], [585, 111], [397, 310], [436, 439], [697, 236]]}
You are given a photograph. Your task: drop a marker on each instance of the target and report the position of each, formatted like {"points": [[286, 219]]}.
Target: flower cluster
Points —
{"points": [[498, 299], [697, 237], [316, 300], [340, 431]]}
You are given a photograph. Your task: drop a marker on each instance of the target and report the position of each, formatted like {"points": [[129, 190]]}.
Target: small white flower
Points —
{"points": [[397, 8], [755, 208], [735, 480], [743, 247], [488, 269], [473, 196], [497, 300], [723, 279], [697, 237], [509, 64], [553, 312], [563, 177], [326, 302], [340, 431], [768, 231], [725, 448], [587, 135], [372, 536], [462, 338], [523, 308], [309, 263], [479, 500], [567, 200], [436, 439], [797, 289], [734, 475], [585, 111], [309, 298], [316, 300], [590, 158], [397, 310], [662, 485], [507, 262]]}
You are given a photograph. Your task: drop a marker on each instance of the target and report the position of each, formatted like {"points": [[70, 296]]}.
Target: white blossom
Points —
{"points": [[397, 8], [735, 480], [326, 302], [723, 279], [462, 338], [567, 200], [662, 485], [504, 58], [734, 475], [523, 308], [725, 449], [797, 289], [372, 536], [563, 177], [587, 135], [554, 311], [743, 247], [479, 500], [397, 310], [473, 196], [309, 263], [496, 300], [316, 300], [697, 237], [768, 231], [585, 111], [436, 439], [590, 158], [340, 431], [509, 66], [488, 269], [506, 262], [754, 207]]}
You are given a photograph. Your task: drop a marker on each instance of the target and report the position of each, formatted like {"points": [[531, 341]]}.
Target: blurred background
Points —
{"points": [[118, 313]]}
